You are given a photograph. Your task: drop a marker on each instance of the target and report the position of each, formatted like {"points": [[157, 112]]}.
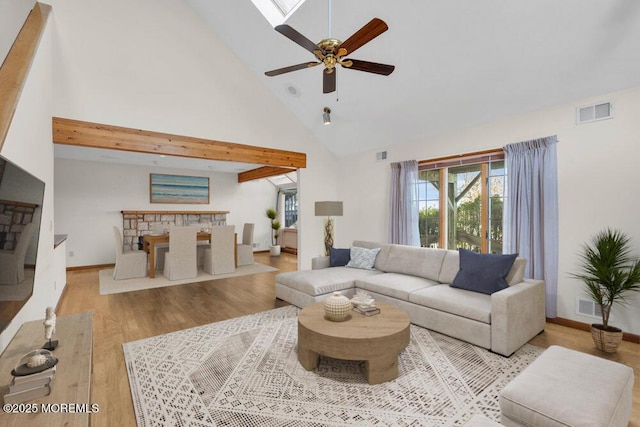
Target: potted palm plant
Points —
{"points": [[274, 249], [609, 272]]}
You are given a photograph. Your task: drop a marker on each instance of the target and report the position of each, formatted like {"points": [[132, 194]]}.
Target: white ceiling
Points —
{"points": [[459, 63]]}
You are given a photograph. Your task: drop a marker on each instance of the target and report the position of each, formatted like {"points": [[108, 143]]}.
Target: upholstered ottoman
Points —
{"points": [[563, 387]]}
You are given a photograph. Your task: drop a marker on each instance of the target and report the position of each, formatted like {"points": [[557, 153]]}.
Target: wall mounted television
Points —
{"points": [[21, 197]]}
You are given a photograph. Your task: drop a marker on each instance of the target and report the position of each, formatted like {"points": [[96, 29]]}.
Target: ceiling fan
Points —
{"points": [[332, 52]]}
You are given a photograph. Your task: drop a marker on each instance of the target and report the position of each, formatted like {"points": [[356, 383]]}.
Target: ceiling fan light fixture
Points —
{"points": [[326, 116]]}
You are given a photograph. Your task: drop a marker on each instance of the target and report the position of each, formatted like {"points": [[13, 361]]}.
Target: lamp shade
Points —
{"points": [[328, 208]]}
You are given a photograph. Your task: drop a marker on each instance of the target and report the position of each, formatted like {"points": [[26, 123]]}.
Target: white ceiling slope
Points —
{"points": [[459, 63]]}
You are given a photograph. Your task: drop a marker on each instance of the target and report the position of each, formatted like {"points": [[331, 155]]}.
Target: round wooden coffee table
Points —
{"points": [[375, 339]]}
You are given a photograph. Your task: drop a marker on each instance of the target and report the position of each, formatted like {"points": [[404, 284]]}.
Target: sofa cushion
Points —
{"points": [[382, 255], [339, 257], [516, 274], [323, 281], [472, 305], [451, 266], [394, 285], [485, 273], [421, 262], [362, 257]]}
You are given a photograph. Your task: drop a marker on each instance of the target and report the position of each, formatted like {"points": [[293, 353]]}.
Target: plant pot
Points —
{"points": [[274, 250], [606, 340]]}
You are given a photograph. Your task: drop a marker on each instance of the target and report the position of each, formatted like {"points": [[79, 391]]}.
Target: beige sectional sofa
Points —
{"points": [[417, 280]]}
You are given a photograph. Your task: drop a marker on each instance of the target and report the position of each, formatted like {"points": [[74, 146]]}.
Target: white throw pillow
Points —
{"points": [[363, 258]]}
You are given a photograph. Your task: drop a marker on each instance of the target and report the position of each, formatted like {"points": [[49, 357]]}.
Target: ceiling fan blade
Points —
{"points": [[298, 38], [329, 81], [369, 67], [364, 35], [292, 68]]}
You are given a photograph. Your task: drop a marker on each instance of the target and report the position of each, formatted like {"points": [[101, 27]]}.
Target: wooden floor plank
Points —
{"points": [[121, 318]]}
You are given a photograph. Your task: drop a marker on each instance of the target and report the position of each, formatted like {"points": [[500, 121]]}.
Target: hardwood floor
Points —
{"points": [[120, 318]]}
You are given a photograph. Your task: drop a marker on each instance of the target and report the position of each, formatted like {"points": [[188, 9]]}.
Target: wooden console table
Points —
{"points": [[72, 382]]}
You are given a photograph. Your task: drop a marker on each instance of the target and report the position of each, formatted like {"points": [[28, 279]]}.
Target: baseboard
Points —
{"points": [[62, 294], [90, 267], [587, 327]]}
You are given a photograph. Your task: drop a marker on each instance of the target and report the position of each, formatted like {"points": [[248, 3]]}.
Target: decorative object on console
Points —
{"points": [[32, 377], [23, 368], [328, 209], [609, 272], [337, 307], [50, 329], [274, 249]]}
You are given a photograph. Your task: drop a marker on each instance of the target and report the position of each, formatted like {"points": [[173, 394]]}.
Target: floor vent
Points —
{"points": [[587, 307], [593, 113], [382, 155]]}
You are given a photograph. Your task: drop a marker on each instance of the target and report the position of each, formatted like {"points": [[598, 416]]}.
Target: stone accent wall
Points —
{"points": [[13, 218], [136, 225]]}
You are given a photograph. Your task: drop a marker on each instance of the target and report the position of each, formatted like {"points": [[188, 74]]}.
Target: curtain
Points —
{"points": [[403, 223], [531, 217]]}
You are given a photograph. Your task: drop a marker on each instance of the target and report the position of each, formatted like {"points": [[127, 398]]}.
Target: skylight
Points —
{"points": [[277, 11]]}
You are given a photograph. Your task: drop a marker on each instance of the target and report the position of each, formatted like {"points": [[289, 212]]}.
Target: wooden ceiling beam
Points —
{"points": [[262, 172], [96, 135]]}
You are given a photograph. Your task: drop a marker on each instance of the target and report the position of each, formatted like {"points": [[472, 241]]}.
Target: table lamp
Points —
{"points": [[328, 209]]}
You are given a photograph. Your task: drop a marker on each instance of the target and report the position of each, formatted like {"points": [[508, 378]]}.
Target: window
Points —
{"points": [[461, 202], [290, 209], [277, 11]]}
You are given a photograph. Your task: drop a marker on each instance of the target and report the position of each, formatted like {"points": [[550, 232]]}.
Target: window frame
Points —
{"points": [[442, 164]]}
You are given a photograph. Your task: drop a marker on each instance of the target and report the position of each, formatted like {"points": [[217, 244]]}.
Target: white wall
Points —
{"points": [[598, 177], [13, 13], [155, 64], [28, 144], [91, 195]]}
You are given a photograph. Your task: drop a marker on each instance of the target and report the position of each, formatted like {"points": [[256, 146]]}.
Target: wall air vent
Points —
{"points": [[382, 155], [594, 113], [587, 307]]}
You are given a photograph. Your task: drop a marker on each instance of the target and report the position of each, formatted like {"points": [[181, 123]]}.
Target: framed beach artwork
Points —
{"points": [[179, 189]]}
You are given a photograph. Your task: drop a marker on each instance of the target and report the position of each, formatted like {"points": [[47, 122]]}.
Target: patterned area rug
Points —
{"points": [[245, 372]]}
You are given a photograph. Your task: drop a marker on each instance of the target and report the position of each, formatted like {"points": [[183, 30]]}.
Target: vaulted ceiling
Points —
{"points": [[458, 63]]}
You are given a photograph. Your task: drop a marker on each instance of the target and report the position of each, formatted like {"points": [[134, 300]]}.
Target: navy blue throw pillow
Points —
{"points": [[339, 257], [484, 273]]}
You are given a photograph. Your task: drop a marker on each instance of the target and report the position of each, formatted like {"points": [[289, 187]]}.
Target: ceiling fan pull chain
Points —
{"points": [[329, 18]]}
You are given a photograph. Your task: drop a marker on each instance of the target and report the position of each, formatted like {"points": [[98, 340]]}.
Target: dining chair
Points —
{"points": [[181, 260], [219, 257], [130, 264], [245, 249], [161, 248], [201, 245], [12, 262]]}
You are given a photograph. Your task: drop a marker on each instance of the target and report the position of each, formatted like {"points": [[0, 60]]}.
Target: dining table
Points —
{"points": [[151, 240]]}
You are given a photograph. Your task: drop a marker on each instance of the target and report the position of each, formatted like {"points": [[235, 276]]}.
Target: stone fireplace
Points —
{"points": [[136, 224]]}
